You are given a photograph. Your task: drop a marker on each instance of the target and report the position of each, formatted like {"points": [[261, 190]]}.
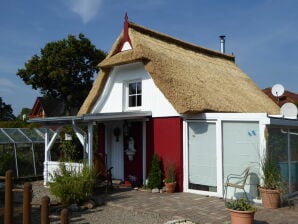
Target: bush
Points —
{"points": [[271, 174], [170, 174], [72, 186], [155, 175], [240, 205]]}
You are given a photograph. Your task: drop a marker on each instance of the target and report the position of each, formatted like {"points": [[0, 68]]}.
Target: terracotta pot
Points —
{"points": [[241, 217], [170, 187], [270, 198]]}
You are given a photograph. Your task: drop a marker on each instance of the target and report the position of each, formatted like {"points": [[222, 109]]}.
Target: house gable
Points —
{"points": [[114, 94]]}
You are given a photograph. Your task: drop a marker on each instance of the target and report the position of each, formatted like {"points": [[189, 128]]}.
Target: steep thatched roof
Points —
{"points": [[192, 78]]}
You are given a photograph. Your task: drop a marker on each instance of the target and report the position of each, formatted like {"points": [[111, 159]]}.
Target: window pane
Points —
{"points": [[139, 100], [241, 150], [139, 88], [202, 156], [132, 101], [132, 88]]}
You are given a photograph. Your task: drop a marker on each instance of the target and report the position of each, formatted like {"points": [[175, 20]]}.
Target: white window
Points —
{"points": [[134, 94]]}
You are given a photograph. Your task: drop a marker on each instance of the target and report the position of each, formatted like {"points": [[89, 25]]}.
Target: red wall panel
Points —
{"points": [[168, 144], [101, 139]]}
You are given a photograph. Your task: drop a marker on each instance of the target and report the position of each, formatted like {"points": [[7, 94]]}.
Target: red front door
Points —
{"points": [[133, 167]]}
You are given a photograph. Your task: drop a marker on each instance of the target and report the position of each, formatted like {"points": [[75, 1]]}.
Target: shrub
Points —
{"points": [[240, 205], [155, 175], [72, 186], [271, 173], [170, 174]]}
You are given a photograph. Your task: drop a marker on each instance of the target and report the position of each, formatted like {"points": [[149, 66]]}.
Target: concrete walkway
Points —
{"points": [[196, 208]]}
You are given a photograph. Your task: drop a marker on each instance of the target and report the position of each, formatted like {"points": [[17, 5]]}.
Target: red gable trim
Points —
{"points": [[125, 37]]}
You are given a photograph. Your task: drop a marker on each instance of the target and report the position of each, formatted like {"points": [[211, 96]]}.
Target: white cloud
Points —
{"points": [[86, 9], [6, 85]]}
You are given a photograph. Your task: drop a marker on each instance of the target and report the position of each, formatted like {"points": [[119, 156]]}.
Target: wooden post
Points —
{"points": [[64, 216], [44, 211], [8, 209], [27, 203]]}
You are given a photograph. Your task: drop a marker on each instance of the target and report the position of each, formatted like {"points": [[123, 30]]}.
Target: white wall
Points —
{"points": [[113, 99]]}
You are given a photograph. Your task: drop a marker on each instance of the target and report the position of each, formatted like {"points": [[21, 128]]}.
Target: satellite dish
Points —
{"points": [[289, 110], [277, 90]]}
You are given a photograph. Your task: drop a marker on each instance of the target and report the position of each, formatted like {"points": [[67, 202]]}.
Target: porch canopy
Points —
{"points": [[86, 139]]}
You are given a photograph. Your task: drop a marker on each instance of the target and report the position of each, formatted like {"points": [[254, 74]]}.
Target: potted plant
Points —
{"points": [[272, 183], [170, 178], [241, 211]]}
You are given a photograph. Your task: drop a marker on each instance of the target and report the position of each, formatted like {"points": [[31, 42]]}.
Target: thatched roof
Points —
{"points": [[192, 78]]}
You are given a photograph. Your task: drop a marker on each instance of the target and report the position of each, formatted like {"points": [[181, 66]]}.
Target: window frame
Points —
{"points": [[127, 95]]}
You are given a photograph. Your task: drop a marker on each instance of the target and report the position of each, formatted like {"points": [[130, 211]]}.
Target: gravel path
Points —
{"points": [[104, 214]]}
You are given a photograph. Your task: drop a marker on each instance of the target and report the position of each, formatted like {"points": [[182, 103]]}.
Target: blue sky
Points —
{"points": [[262, 34]]}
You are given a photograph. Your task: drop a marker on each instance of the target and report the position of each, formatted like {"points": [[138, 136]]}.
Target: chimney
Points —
{"points": [[222, 44]]}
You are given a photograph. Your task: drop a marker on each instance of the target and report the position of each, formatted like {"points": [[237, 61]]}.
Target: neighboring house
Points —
{"points": [[190, 105], [48, 107], [287, 97]]}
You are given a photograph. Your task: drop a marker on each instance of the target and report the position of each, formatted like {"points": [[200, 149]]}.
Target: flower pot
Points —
{"points": [[270, 198], [241, 217], [170, 187]]}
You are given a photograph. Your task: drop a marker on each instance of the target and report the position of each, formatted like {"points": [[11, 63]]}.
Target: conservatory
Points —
{"points": [[22, 150]]}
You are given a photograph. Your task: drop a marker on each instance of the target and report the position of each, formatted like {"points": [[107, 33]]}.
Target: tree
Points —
{"points": [[6, 112], [64, 70], [154, 177], [24, 113]]}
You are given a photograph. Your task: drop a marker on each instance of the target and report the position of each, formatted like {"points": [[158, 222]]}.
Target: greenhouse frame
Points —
{"points": [[22, 150]]}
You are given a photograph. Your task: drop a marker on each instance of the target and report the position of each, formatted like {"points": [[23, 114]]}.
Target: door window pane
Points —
{"points": [[202, 156], [241, 150]]}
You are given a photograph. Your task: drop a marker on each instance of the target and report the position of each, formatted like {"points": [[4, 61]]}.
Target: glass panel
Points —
{"points": [[202, 156], [32, 135], [294, 160], [278, 148], [139, 100], [132, 88], [241, 150], [25, 160], [132, 101], [139, 88], [4, 139], [7, 159], [16, 135]]}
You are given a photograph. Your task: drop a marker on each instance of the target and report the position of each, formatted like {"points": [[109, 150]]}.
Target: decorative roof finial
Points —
{"points": [[125, 26], [125, 43], [126, 17]]}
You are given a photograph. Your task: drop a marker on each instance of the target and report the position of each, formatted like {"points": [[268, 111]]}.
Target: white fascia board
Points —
{"points": [[230, 116]]}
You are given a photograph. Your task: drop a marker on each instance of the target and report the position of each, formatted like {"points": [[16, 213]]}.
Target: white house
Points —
{"points": [[190, 105]]}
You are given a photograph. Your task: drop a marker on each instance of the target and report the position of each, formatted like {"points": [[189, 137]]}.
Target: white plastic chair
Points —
{"points": [[237, 181]]}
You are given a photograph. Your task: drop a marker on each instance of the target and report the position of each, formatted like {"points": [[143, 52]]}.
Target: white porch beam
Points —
{"points": [[144, 151], [48, 145], [90, 145]]}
